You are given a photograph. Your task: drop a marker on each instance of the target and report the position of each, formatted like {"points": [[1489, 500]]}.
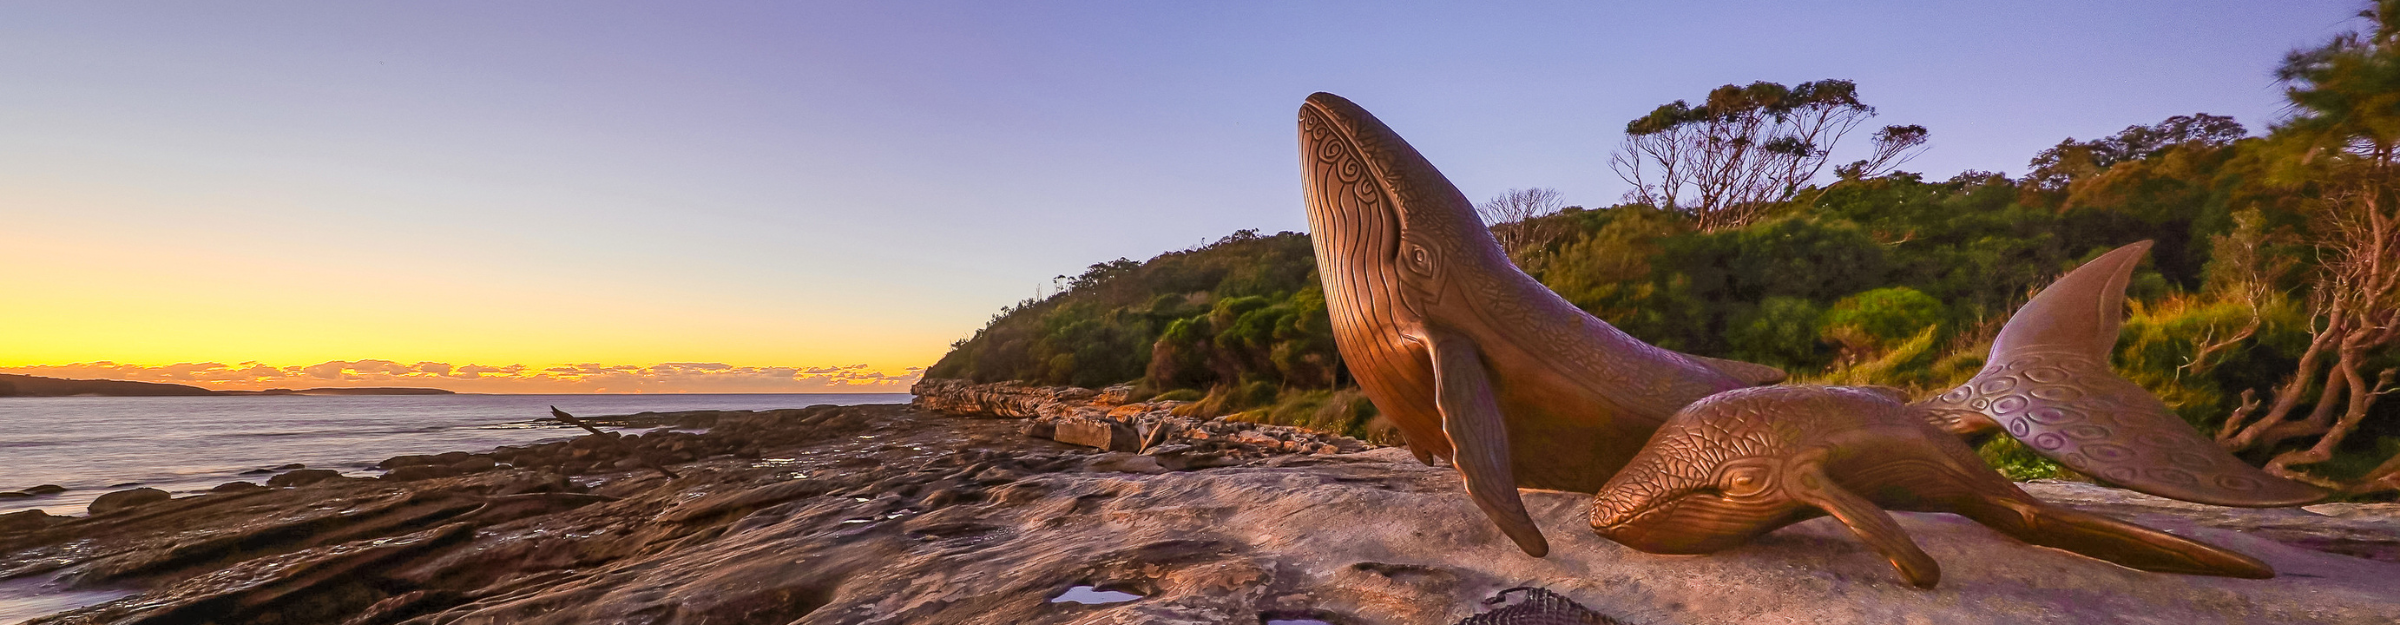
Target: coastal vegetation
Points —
{"points": [[2267, 314]]}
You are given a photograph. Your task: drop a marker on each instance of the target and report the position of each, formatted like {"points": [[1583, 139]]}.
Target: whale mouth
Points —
{"points": [[1648, 512]]}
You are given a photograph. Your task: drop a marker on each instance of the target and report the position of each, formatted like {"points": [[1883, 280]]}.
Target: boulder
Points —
{"points": [[128, 499], [303, 477], [236, 487], [46, 489], [1100, 433]]}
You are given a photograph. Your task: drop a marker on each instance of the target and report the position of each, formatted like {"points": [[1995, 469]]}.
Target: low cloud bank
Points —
{"points": [[671, 377]]}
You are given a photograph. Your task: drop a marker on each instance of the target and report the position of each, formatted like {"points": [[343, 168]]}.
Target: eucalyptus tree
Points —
{"points": [[1745, 149]]}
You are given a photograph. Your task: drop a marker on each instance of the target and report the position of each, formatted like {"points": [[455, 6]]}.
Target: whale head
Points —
{"points": [[1727, 468], [1392, 237]]}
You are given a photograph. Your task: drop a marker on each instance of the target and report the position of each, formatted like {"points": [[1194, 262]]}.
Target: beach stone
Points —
{"points": [[303, 477], [25, 521], [128, 499], [10, 494], [236, 487], [47, 489], [406, 461]]}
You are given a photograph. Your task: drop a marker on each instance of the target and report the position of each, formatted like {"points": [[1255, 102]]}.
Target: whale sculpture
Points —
{"points": [[1742, 463], [1481, 366]]}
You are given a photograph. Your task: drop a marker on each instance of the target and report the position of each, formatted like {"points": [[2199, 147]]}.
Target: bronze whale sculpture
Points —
{"points": [[1745, 462], [1480, 365]]}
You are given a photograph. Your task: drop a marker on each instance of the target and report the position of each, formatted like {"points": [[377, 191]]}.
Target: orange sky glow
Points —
{"points": [[679, 377]]}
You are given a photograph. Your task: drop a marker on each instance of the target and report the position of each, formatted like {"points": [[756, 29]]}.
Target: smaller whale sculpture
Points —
{"points": [[1742, 463]]}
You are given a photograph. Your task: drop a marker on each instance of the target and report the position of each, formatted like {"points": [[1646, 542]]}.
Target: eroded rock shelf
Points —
{"points": [[893, 514]]}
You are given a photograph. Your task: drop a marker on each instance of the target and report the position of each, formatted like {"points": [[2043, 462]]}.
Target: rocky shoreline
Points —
{"points": [[899, 514]]}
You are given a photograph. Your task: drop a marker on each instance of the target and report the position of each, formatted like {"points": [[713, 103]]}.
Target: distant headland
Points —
{"points": [[14, 385]]}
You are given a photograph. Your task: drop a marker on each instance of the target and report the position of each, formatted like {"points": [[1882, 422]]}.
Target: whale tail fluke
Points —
{"points": [[2048, 383]]}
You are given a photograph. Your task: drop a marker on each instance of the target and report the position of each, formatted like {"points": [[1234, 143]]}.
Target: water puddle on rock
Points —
{"points": [[1093, 595]]}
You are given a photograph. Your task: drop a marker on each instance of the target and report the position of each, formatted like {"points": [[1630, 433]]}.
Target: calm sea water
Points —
{"points": [[93, 445]]}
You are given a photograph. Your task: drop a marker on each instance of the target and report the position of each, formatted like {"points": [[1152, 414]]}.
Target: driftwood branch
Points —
{"points": [[620, 443]]}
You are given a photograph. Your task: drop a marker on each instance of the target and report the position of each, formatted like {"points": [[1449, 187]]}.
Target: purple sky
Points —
{"points": [[867, 182]]}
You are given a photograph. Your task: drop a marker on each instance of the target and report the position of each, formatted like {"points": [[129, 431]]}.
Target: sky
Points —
{"points": [[700, 196]]}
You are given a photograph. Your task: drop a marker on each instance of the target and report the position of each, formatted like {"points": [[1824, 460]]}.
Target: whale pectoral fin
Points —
{"points": [[1872, 525], [2132, 546], [2048, 383], [1750, 373], [1471, 416]]}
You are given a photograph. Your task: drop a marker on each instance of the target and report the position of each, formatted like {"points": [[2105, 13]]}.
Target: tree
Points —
{"points": [[1894, 145], [2071, 160], [2338, 152], [1513, 216], [1745, 149]]}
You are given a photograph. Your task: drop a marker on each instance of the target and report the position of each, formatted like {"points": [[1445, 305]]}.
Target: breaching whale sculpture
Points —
{"points": [[1482, 366]]}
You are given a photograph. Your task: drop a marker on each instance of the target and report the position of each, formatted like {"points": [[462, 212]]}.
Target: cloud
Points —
{"points": [[670, 377]]}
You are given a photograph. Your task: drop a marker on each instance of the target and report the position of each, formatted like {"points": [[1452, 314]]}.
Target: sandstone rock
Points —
{"points": [[406, 461], [46, 489], [1102, 434], [236, 487], [413, 473], [26, 521], [1120, 462], [127, 500], [475, 464], [303, 477], [10, 494], [838, 527]]}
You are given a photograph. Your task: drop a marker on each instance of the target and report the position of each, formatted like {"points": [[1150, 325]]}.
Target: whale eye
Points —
{"points": [[1745, 481], [1418, 259]]}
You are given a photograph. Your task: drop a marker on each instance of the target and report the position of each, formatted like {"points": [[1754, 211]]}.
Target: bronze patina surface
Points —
{"points": [[1745, 462], [1474, 361], [1480, 365]]}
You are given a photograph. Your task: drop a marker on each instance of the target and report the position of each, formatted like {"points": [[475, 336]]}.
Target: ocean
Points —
{"points": [[183, 445]]}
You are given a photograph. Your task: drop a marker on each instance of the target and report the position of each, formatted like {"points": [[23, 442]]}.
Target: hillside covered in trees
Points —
{"points": [[2266, 316]]}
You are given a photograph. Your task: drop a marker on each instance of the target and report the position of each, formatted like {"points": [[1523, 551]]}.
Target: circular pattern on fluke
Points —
{"points": [[2075, 410]]}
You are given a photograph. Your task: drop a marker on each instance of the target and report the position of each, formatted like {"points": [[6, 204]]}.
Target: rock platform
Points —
{"points": [[893, 514]]}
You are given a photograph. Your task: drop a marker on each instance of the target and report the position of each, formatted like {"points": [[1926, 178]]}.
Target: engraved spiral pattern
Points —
{"points": [[1356, 233]]}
